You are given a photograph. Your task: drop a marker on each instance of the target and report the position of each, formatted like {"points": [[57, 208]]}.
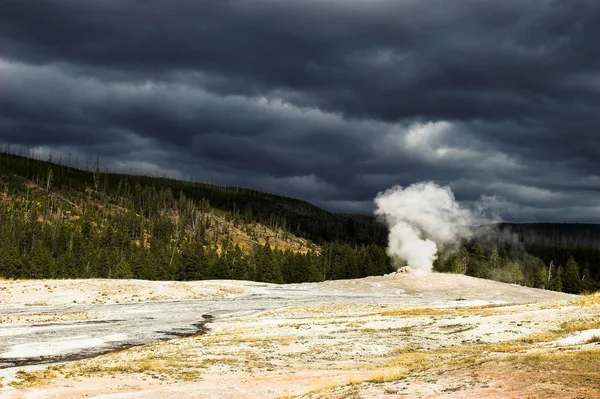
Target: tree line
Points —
{"points": [[299, 217], [525, 270], [47, 234], [60, 221]]}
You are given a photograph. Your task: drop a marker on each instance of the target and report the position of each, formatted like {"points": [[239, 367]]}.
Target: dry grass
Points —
{"points": [[582, 366], [588, 300], [593, 340], [414, 312], [259, 347], [159, 361], [505, 347], [394, 375], [484, 310], [533, 374], [415, 361], [47, 317], [34, 379], [576, 369], [181, 360], [38, 303], [260, 342], [565, 328], [568, 327]]}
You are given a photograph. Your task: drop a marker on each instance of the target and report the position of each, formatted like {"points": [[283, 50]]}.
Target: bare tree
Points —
{"points": [[97, 174], [49, 179]]}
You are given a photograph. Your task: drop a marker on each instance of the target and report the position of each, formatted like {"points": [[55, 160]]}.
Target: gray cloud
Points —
{"points": [[329, 101]]}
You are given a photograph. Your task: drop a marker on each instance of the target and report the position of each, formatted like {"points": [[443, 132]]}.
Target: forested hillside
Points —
{"points": [[549, 241], [61, 220], [561, 257]]}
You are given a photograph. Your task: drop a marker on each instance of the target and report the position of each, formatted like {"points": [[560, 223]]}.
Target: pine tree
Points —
{"points": [[477, 261], [122, 270], [38, 264], [515, 273], [541, 276], [267, 269], [313, 270], [587, 281], [349, 267], [219, 268], [192, 262], [11, 263], [495, 262], [461, 262], [556, 281], [571, 279], [239, 265]]}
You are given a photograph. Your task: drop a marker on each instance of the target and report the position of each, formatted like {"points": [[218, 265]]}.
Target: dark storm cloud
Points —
{"points": [[331, 101]]}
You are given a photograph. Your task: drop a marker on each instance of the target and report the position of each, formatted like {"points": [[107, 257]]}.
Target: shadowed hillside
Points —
{"points": [[552, 242], [64, 221], [296, 216]]}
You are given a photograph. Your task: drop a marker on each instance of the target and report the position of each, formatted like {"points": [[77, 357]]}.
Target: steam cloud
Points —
{"points": [[422, 218]]}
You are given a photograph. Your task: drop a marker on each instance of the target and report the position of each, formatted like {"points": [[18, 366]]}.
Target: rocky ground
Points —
{"points": [[397, 336]]}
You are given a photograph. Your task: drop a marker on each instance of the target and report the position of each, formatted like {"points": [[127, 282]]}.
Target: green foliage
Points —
{"points": [[555, 283], [122, 270], [495, 261], [151, 194], [515, 273], [571, 279], [462, 261], [453, 263], [61, 222], [555, 242], [11, 264], [478, 263], [539, 274], [529, 271], [58, 221]]}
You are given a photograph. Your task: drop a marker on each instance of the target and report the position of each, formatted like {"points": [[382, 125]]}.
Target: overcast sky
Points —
{"points": [[326, 100]]}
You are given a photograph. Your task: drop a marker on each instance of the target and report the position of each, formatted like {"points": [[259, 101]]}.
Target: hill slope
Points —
{"points": [[59, 221], [296, 216], [550, 241], [208, 231], [554, 243]]}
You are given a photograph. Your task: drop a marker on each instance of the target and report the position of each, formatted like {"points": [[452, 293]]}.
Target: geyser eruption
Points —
{"points": [[422, 218]]}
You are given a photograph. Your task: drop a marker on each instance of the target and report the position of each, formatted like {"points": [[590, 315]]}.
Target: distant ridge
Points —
{"points": [[300, 217]]}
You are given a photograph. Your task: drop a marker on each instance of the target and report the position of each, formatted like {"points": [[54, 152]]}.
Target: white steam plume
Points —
{"points": [[422, 218]]}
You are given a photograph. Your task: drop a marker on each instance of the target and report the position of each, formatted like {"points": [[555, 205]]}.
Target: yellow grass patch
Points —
{"points": [[564, 329], [484, 310], [589, 300], [47, 317]]}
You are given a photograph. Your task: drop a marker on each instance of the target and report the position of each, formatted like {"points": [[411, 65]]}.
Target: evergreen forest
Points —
{"points": [[68, 218]]}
